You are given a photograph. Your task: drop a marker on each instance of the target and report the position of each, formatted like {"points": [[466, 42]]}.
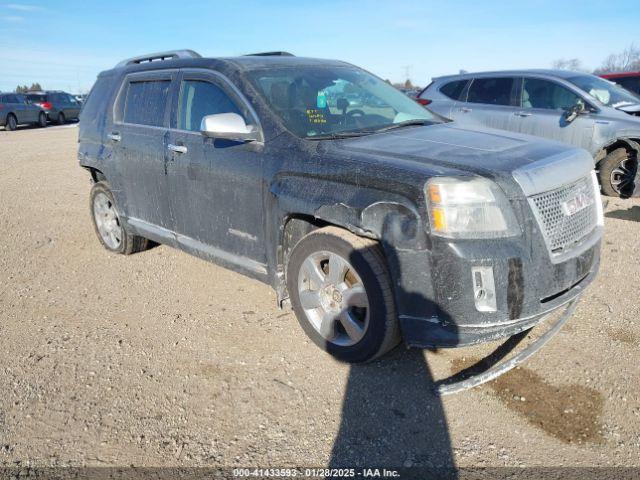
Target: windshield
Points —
{"points": [[605, 92], [323, 102]]}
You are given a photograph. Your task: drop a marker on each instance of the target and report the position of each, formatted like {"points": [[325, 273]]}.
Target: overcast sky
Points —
{"points": [[64, 44]]}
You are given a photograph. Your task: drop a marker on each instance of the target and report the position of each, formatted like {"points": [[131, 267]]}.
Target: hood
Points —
{"points": [[487, 152], [630, 109], [452, 146]]}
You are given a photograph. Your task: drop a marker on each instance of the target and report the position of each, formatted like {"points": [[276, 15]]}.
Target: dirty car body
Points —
{"points": [[307, 164], [576, 108]]}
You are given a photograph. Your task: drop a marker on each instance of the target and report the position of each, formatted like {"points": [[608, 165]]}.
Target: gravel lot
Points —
{"points": [[162, 359]]}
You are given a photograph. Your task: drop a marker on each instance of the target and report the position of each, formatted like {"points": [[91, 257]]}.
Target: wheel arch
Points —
{"points": [[391, 224], [96, 174], [632, 145]]}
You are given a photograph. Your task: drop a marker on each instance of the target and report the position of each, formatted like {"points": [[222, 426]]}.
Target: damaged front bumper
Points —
{"points": [[527, 288]]}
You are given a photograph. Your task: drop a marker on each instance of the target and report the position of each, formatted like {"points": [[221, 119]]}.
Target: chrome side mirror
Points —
{"points": [[228, 126]]}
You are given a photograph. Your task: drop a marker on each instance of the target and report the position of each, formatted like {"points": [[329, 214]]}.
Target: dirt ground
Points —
{"points": [[162, 359]]}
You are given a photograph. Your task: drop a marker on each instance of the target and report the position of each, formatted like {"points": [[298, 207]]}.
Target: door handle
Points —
{"points": [[522, 114], [177, 148], [114, 136], [466, 109]]}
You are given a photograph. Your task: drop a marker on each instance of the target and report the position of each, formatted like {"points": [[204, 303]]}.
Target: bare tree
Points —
{"points": [[567, 64], [626, 61]]}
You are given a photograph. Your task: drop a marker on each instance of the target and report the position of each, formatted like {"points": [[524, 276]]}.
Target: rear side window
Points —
{"points": [[492, 91], [36, 98], [454, 89], [199, 98], [538, 93], [96, 100], [145, 102]]}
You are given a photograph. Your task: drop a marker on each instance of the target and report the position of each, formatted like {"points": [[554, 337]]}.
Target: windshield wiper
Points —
{"points": [[338, 135], [406, 123], [360, 133]]}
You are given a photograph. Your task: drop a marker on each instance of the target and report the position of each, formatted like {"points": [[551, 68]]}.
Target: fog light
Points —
{"points": [[484, 289]]}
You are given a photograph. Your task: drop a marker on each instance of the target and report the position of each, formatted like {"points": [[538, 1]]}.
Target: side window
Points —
{"points": [[199, 98], [145, 102], [538, 93], [11, 99], [492, 91], [454, 89]]}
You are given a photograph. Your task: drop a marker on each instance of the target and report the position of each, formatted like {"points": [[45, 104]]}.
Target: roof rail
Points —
{"points": [[151, 57], [270, 54]]}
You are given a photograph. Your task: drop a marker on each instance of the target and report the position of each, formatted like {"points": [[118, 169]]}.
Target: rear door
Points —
{"points": [[139, 137], [542, 106], [450, 95], [215, 185], [490, 102], [29, 112]]}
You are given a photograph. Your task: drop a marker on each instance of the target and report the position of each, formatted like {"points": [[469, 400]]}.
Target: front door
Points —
{"points": [[138, 136], [541, 113], [215, 185]]}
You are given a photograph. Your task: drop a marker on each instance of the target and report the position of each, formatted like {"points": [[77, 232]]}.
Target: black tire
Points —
{"points": [[129, 243], [42, 120], [12, 122], [365, 255], [618, 166], [60, 119]]}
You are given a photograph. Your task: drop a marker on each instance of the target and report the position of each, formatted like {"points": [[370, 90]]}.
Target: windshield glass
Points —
{"points": [[322, 101], [605, 92]]}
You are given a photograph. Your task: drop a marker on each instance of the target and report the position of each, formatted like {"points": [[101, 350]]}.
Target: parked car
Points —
{"points": [[376, 227], [15, 110], [628, 80], [59, 106], [573, 107]]}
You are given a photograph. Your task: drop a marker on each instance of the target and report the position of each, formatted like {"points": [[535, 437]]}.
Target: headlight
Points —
{"points": [[469, 208]]}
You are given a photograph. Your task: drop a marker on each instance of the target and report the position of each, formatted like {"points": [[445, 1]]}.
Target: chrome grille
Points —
{"points": [[561, 228]]}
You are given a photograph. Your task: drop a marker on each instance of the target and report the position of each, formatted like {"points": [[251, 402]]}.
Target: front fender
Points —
{"points": [[393, 219]]}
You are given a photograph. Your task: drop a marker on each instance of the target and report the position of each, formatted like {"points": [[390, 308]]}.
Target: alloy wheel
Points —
{"points": [[622, 177], [333, 298], [107, 221]]}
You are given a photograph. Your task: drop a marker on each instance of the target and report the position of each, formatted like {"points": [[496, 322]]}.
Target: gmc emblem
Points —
{"points": [[577, 203]]}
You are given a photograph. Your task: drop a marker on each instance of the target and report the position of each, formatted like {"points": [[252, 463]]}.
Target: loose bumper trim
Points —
{"points": [[451, 385]]}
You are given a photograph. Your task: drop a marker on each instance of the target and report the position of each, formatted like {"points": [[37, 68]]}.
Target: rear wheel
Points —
{"points": [[106, 221], [12, 122], [42, 120], [341, 294], [61, 119], [617, 172]]}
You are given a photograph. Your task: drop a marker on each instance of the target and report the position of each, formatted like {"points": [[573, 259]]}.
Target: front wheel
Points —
{"points": [[106, 221], [341, 293], [42, 120], [61, 119], [617, 172]]}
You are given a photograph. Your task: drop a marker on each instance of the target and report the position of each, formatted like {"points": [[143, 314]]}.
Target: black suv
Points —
{"points": [[59, 106], [378, 220]]}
